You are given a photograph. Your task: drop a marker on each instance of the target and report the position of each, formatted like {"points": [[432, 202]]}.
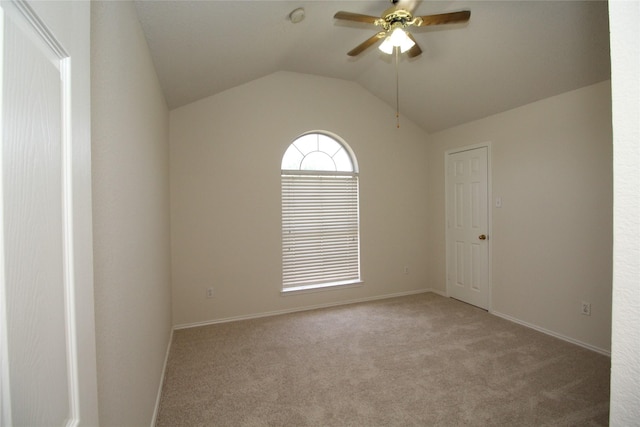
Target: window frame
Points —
{"points": [[289, 286]]}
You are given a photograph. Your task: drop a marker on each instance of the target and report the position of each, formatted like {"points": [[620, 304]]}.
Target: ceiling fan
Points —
{"points": [[394, 22]]}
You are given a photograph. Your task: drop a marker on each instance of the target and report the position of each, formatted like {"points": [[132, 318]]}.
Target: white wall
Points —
{"points": [[625, 64], [551, 241], [131, 217], [225, 194]]}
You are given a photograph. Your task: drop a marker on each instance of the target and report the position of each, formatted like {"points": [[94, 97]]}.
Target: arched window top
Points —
{"points": [[319, 152]]}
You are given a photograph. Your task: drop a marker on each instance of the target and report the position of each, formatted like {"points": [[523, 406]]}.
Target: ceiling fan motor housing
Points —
{"points": [[398, 18]]}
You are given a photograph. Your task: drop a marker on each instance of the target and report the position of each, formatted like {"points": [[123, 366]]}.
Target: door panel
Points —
{"points": [[467, 220], [44, 380], [34, 229]]}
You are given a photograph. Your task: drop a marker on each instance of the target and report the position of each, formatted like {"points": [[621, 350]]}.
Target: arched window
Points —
{"points": [[320, 214]]}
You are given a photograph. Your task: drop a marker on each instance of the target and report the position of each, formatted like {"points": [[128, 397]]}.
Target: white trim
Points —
{"points": [[5, 397], [439, 292], [376, 298], [69, 251], [486, 145], [297, 290], [296, 172], [347, 147], [164, 369], [40, 28], [298, 309], [468, 148], [552, 333]]}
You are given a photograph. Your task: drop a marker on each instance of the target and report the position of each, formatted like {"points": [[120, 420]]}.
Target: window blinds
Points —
{"points": [[320, 240]]}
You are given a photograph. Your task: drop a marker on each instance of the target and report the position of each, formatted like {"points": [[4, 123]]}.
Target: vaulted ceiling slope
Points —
{"points": [[509, 54]]}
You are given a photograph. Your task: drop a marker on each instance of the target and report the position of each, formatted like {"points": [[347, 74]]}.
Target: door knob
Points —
{"points": [[482, 237]]}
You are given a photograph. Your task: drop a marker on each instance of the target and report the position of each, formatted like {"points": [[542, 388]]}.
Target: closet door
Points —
{"points": [[467, 226], [47, 346]]}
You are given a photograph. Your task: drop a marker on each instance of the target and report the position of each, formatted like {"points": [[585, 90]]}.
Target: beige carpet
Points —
{"points": [[420, 360]]}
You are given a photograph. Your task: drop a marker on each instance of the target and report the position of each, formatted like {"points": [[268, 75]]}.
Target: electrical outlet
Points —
{"points": [[406, 269], [209, 292], [585, 308]]}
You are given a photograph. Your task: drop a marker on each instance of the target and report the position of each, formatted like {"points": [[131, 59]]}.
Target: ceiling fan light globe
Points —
{"points": [[386, 46], [398, 38], [406, 45]]}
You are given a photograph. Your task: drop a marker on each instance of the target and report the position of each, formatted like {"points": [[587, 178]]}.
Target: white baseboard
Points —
{"points": [[355, 301], [297, 309], [439, 292], [374, 298], [164, 368], [552, 333]]}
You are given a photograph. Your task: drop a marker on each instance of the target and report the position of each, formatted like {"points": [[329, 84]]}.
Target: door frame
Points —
{"points": [[486, 145]]}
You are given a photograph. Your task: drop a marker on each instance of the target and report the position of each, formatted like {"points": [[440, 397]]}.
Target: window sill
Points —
{"points": [[321, 288]]}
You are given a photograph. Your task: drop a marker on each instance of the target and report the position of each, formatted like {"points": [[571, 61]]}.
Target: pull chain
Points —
{"points": [[397, 51]]}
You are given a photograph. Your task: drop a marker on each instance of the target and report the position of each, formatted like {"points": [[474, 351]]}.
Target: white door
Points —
{"points": [[47, 346], [467, 226]]}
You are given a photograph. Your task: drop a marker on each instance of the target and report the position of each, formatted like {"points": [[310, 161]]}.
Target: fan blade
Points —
{"points": [[444, 18], [362, 46], [415, 50], [356, 17]]}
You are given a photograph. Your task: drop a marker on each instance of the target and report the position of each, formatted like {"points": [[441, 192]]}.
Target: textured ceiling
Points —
{"points": [[510, 53]]}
